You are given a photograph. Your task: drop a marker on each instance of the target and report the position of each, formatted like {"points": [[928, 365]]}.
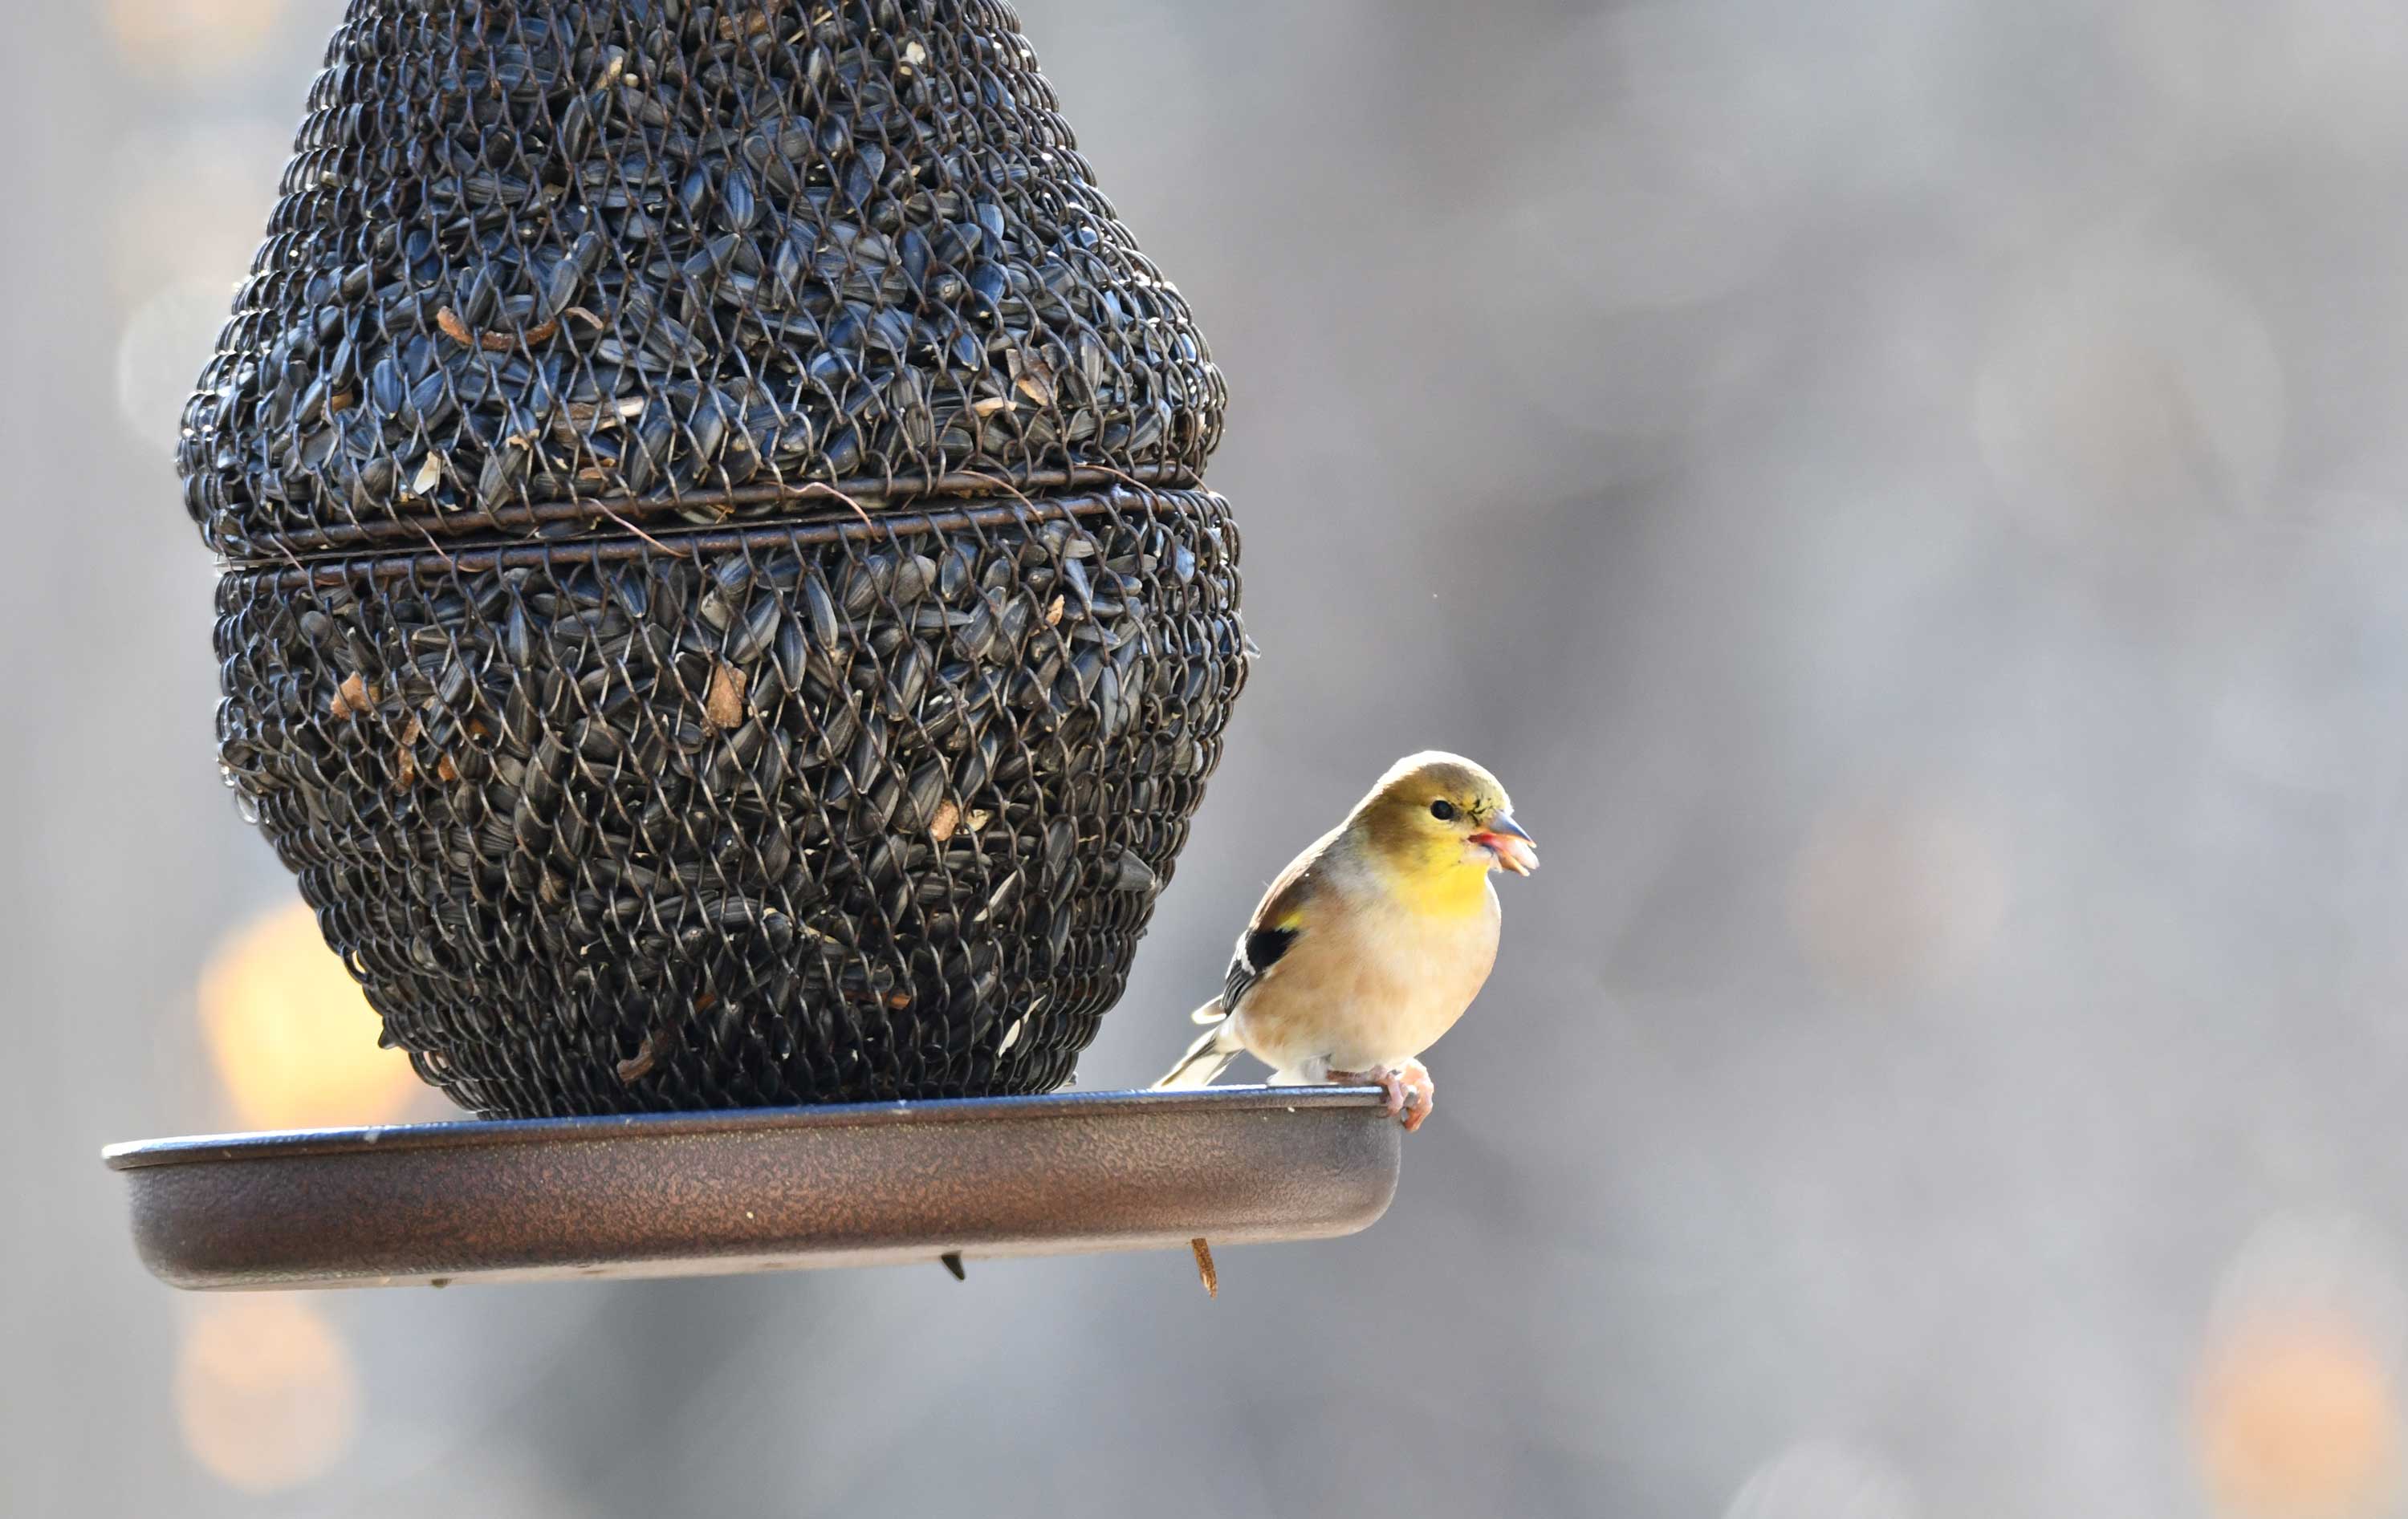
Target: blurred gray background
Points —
{"points": [[1911, 499]]}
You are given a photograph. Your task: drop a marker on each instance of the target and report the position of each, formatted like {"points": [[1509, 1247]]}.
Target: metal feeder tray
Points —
{"points": [[761, 1189]]}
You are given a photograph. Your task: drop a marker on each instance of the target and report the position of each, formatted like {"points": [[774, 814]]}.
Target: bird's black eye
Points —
{"points": [[1442, 809]]}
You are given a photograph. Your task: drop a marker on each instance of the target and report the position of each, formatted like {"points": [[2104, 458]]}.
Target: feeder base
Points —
{"points": [[764, 1189]]}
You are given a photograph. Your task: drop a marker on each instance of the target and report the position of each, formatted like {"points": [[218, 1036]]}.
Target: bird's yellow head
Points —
{"points": [[1440, 824]]}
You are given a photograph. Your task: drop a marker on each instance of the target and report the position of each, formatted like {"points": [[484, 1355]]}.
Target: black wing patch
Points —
{"points": [[1256, 952]]}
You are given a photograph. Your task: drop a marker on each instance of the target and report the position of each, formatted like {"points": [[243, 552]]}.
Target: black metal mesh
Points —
{"points": [[537, 264], [721, 611], [802, 814]]}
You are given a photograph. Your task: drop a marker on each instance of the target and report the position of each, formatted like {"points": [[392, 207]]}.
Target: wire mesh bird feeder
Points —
{"points": [[721, 607]]}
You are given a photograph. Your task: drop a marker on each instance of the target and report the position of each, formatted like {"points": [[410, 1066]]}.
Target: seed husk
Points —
{"points": [[722, 704]]}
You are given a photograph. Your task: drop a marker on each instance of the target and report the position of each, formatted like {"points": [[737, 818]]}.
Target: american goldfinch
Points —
{"points": [[1371, 943]]}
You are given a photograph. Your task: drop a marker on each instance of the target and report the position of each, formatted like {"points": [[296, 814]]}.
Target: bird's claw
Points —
{"points": [[1420, 1092], [1410, 1092]]}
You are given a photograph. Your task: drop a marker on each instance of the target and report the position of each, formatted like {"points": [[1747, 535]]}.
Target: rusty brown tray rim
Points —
{"points": [[760, 1189], [483, 1133]]}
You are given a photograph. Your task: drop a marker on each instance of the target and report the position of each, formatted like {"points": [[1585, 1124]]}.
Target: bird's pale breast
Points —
{"points": [[1372, 989]]}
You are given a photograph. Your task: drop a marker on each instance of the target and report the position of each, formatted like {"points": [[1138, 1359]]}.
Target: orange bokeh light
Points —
{"points": [[267, 1395], [294, 1040], [2297, 1418]]}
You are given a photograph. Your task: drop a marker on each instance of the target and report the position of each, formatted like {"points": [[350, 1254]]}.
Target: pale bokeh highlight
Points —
{"points": [[292, 1037], [266, 1392]]}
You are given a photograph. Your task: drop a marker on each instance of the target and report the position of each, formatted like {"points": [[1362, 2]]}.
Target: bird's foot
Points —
{"points": [[1420, 1092], [1410, 1091]]}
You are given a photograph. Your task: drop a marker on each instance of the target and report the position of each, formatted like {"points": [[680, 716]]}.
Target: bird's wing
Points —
{"points": [[1257, 951], [1277, 921]]}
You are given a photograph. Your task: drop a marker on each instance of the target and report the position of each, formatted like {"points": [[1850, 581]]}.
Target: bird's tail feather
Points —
{"points": [[1205, 1059]]}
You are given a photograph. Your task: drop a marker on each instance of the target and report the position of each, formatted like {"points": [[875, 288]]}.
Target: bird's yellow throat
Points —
{"points": [[1442, 885]]}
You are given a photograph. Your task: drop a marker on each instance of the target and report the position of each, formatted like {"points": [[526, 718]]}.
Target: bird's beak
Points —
{"points": [[1515, 850]]}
